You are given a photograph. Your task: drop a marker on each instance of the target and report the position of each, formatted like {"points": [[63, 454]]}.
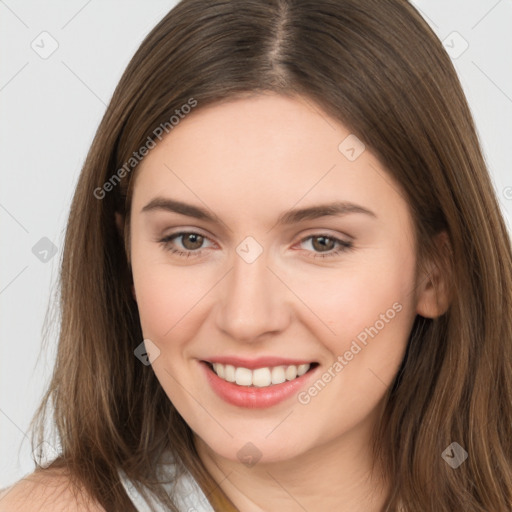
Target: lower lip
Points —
{"points": [[254, 397]]}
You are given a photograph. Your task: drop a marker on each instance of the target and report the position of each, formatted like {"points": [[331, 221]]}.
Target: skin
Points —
{"points": [[247, 161]]}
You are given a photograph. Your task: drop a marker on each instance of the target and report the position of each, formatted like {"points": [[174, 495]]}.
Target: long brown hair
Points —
{"points": [[377, 67]]}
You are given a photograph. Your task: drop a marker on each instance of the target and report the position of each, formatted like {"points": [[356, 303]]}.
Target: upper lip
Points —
{"points": [[260, 362]]}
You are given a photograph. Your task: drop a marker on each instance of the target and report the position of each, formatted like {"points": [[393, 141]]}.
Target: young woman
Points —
{"points": [[286, 282]]}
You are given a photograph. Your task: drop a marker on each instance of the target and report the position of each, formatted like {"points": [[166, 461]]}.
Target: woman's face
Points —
{"points": [[288, 244]]}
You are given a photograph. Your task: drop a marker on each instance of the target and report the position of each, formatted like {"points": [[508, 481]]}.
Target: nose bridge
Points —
{"points": [[252, 300]]}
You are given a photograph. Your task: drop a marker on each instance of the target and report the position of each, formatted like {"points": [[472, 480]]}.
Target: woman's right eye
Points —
{"points": [[191, 243]]}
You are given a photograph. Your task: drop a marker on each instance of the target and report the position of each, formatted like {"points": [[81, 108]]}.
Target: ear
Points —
{"points": [[120, 228], [433, 293]]}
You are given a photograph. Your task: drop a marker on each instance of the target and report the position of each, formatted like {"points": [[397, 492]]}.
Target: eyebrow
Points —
{"points": [[336, 208]]}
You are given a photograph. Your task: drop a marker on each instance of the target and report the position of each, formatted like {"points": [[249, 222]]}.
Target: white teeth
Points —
{"points": [[229, 372], [261, 377], [278, 375], [302, 369], [243, 377], [219, 369], [291, 372]]}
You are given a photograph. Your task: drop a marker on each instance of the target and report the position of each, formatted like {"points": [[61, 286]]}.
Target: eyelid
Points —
{"points": [[342, 237], [184, 230], [168, 238]]}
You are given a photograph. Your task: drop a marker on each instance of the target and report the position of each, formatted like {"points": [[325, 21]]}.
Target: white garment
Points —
{"points": [[185, 492]]}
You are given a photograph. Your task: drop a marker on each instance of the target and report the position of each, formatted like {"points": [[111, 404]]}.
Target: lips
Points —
{"points": [[254, 396]]}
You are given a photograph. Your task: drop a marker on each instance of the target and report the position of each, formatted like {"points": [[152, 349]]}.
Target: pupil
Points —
{"points": [[323, 243], [192, 241]]}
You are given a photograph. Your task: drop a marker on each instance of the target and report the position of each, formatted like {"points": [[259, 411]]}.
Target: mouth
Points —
{"points": [[264, 377]]}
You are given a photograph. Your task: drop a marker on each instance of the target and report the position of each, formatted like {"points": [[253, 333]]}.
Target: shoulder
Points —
{"points": [[45, 491]]}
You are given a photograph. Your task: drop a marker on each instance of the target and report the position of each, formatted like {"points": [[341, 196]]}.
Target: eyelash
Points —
{"points": [[165, 242]]}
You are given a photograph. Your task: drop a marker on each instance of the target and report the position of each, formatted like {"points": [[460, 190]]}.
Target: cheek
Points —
{"points": [[168, 299], [368, 301], [371, 311], [359, 290]]}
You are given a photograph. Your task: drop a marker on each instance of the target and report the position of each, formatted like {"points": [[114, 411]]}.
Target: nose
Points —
{"points": [[253, 302]]}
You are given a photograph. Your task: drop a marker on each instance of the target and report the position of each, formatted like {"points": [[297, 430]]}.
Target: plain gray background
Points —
{"points": [[51, 106]]}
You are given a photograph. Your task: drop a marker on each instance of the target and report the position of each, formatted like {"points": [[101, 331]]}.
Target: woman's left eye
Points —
{"points": [[325, 246], [191, 243]]}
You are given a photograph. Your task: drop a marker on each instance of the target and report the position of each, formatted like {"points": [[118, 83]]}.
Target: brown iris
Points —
{"points": [[323, 243], [192, 241]]}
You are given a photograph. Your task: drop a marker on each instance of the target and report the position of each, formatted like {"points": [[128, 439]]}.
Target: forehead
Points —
{"points": [[267, 151], [243, 134]]}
